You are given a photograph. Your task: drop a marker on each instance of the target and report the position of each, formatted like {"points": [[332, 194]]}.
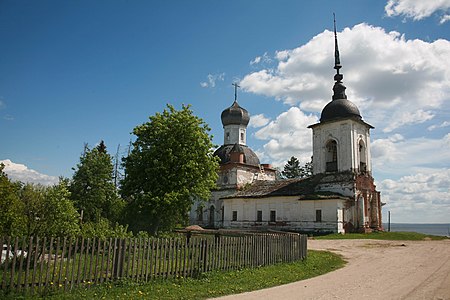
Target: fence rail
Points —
{"points": [[34, 264]]}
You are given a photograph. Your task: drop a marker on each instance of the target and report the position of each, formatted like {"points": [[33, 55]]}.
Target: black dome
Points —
{"points": [[250, 157], [340, 109], [235, 115]]}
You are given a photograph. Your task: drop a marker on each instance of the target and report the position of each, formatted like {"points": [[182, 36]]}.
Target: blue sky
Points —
{"points": [[75, 72]]}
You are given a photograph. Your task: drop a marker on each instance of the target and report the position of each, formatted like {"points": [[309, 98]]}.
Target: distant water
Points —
{"points": [[434, 229]]}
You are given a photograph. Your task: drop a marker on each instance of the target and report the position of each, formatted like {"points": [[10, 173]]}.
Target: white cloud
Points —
{"points": [[426, 193], [398, 156], [417, 9], [405, 118], [442, 125], [288, 136], [20, 172], [257, 60], [258, 121], [212, 79], [444, 19], [264, 59], [386, 75]]}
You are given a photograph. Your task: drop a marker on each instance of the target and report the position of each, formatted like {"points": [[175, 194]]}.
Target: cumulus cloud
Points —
{"points": [[257, 121], [427, 192], [20, 172], [417, 9], [405, 118], [396, 155], [212, 80], [288, 136], [386, 75]]}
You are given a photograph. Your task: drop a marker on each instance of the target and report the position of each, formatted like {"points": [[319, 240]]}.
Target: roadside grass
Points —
{"points": [[396, 236], [208, 285]]}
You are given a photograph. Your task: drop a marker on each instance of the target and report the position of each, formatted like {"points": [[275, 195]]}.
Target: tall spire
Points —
{"points": [[339, 88]]}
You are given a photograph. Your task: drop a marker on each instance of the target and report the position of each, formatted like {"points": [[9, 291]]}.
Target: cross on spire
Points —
{"points": [[236, 86]]}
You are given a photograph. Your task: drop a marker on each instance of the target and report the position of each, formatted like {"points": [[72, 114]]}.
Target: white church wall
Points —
{"points": [[291, 213]]}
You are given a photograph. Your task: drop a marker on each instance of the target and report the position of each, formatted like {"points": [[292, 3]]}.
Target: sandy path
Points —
{"points": [[375, 270]]}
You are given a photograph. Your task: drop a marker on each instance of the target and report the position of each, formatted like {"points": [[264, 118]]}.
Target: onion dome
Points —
{"points": [[339, 107], [235, 115], [224, 153]]}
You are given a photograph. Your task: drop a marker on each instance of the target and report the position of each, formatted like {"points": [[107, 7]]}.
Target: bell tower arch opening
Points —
{"points": [[362, 153], [331, 156]]}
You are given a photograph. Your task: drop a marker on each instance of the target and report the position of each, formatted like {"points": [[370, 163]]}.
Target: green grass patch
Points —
{"points": [[212, 284], [396, 236]]}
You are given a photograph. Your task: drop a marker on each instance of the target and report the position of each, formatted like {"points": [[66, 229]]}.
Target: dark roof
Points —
{"points": [[340, 109], [250, 157], [305, 188], [235, 115]]}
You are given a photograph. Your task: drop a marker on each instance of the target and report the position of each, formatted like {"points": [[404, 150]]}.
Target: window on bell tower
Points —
{"points": [[331, 156], [362, 156]]}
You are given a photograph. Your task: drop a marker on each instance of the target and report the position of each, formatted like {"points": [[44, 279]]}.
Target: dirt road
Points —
{"points": [[375, 270]]}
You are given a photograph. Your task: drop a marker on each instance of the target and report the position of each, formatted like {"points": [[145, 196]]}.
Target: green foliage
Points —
{"points": [[59, 216], [92, 188], [292, 169], [30, 210], [170, 165], [213, 284], [11, 218], [306, 170], [103, 229], [381, 235], [48, 211]]}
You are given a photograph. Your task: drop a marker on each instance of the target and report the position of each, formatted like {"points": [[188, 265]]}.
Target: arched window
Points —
{"points": [[331, 156], [362, 156]]}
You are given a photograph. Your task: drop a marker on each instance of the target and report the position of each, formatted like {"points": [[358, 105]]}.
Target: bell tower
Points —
{"points": [[341, 157], [341, 141]]}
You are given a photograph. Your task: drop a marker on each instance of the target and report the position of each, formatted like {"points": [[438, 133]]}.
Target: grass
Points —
{"points": [[396, 236], [212, 284]]}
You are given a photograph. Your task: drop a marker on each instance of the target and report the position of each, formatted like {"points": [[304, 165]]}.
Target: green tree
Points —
{"points": [[92, 188], [306, 170], [292, 168], [60, 216], [48, 211], [11, 218], [33, 199], [170, 165]]}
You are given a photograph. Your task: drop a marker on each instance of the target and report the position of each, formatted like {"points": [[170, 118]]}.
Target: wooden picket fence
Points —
{"points": [[34, 265]]}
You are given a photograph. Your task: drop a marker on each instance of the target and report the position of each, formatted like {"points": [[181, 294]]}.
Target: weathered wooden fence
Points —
{"points": [[34, 264]]}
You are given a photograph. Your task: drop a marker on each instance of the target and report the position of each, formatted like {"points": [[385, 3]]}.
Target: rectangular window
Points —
{"points": [[259, 216], [242, 136], [234, 215], [318, 215], [273, 216]]}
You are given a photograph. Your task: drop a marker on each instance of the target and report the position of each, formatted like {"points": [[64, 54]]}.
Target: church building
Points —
{"points": [[339, 197]]}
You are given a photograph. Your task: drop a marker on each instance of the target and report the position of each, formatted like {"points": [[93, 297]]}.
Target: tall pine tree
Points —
{"points": [[292, 168], [92, 188]]}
